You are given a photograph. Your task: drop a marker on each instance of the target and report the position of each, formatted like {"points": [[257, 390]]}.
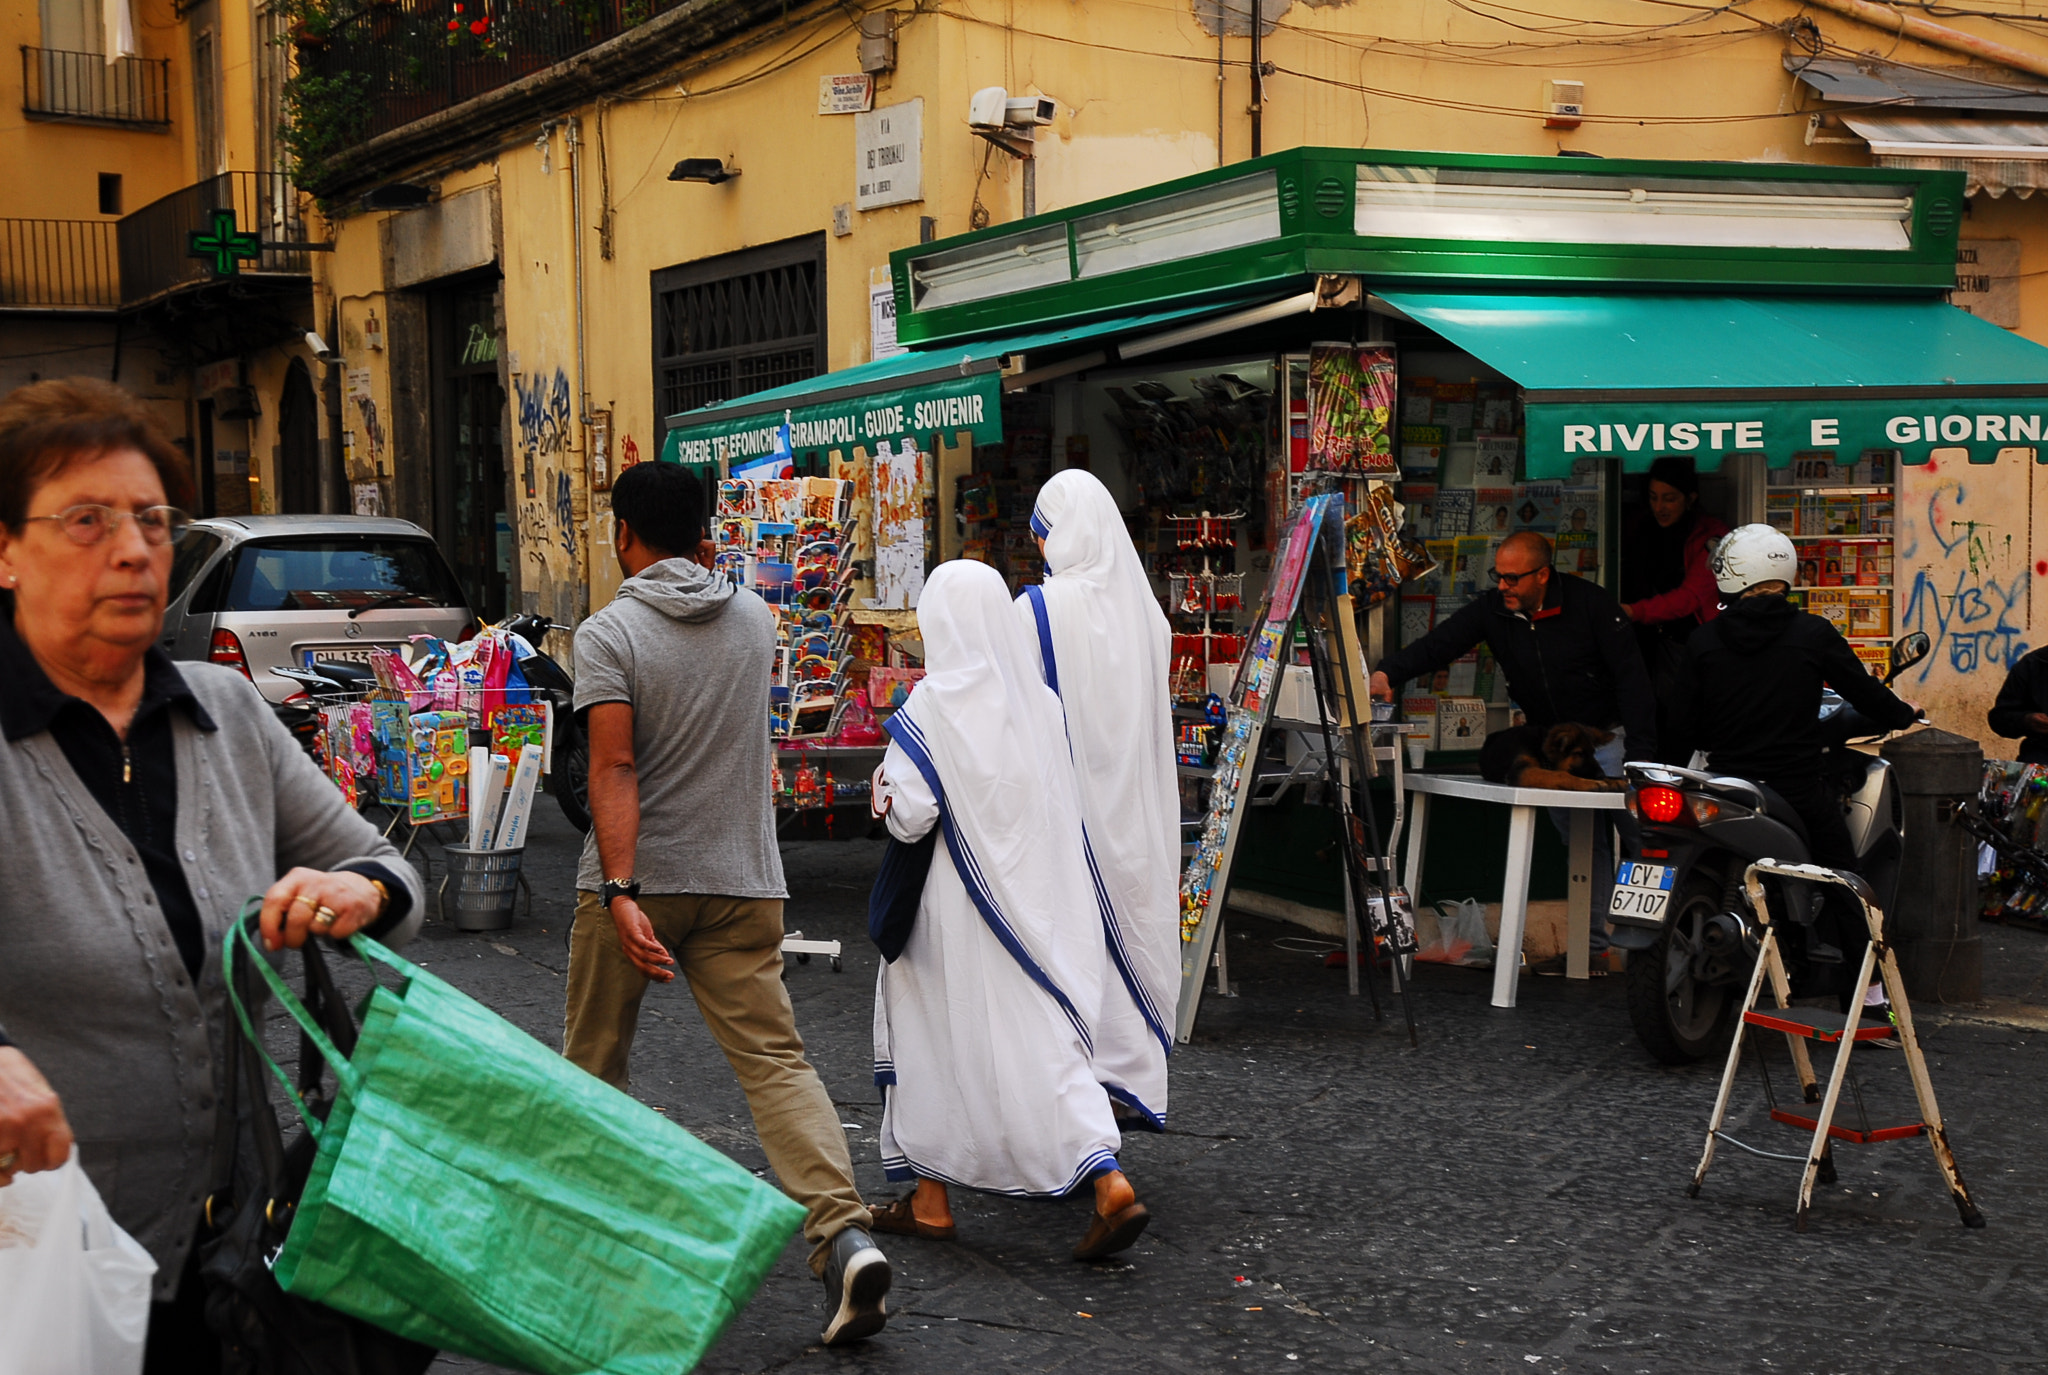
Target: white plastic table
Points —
{"points": [[1514, 898]]}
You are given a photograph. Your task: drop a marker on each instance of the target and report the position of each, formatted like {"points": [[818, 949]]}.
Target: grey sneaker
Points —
{"points": [[857, 1279]]}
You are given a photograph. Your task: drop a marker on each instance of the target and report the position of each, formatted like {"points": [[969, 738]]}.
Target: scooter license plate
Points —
{"points": [[1640, 890]]}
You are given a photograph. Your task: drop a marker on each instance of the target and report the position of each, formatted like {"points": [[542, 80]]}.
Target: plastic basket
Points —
{"points": [[483, 885]]}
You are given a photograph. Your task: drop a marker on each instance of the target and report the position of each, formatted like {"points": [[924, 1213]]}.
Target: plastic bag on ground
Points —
{"points": [[74, 1287], [1461, 936]]}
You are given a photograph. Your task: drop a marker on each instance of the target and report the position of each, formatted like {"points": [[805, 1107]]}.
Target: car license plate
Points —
{"points": [[338, 654], [1641, 891]]}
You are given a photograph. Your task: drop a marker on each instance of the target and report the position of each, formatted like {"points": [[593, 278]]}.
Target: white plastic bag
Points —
{"points": [[74, 1287], [1461, 936]]}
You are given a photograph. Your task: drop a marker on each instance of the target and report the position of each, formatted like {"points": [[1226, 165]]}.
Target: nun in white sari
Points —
{"points": [[1104, 646], [984, 1021]]}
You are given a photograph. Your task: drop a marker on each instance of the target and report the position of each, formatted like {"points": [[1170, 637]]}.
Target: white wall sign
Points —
{"points": [[846, 95], [882, 319], [1988, 280], [888, 146]]}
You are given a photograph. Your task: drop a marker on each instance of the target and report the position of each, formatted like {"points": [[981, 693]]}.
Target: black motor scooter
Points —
{"points": [[1687, 837]]}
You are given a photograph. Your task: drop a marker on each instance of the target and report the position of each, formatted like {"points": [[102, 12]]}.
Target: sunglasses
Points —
{"points": [[1495, 575], [90, 523]]}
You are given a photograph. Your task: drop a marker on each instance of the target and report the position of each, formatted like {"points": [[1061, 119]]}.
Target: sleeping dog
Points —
{"points": [[1561, 757]]}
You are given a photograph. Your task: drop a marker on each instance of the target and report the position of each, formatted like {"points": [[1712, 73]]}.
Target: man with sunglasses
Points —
{"points": [[1569, 654]]}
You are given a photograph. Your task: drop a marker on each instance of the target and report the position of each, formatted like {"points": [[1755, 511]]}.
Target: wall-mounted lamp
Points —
{"points": [[710, 170]]}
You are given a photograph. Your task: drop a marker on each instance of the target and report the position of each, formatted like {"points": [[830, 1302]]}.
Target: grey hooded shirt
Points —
{"points": [[693, 656]]}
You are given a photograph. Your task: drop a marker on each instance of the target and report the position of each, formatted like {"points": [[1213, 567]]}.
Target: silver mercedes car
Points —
{"points": [[264, 592]]}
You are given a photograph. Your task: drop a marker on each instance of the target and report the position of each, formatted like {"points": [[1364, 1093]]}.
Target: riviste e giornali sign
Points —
{"points": [[1637, 433]]}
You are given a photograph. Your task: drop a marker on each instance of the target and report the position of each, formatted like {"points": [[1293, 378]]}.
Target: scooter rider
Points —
{"points": [[1754, 694]]}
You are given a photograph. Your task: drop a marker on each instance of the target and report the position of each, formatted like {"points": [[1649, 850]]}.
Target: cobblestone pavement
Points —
{"points": [[1510, 1196]]}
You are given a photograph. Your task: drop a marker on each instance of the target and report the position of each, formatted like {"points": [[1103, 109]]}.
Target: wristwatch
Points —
{"points": [[616, 888]]}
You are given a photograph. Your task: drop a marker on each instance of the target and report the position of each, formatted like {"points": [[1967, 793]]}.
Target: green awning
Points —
{"points": [[946, 390], [1636, 376]]}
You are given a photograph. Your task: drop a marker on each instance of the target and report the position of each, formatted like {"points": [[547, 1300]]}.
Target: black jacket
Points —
{"points": [[1753, 692], [2025, 691], [1574, 660]]}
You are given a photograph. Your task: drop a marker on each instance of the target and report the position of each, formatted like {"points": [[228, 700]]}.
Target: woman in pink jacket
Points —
{"points": [[1666, 585]]}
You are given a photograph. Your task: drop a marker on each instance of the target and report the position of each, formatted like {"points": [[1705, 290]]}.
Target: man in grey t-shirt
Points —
{"points": [[672, 680]]}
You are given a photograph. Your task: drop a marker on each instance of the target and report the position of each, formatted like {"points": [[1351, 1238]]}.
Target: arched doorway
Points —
{"points": [[298, 443]]}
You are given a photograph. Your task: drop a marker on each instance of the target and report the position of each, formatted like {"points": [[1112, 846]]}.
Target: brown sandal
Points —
{"points": [[896, 1219], [1109, 1235]]}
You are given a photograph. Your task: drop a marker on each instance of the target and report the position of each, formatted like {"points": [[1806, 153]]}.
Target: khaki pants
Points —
{"points": [[730, 951]]}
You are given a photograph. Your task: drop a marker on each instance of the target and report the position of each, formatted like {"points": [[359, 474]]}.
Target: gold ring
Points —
{"points": [[7, 1161], [305, 898], [324, 918]]}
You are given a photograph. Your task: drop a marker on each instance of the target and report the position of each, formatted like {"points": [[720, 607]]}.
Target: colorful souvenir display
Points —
{"points": [[410, 738], [790, 540]]}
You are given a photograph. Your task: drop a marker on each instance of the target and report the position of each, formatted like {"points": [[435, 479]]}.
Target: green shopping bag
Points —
{"points": [[475, 1191]]}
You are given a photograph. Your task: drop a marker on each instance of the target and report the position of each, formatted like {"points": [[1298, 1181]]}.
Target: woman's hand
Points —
{"points": [[1628, 609], [33, 1133], [297, 905]]}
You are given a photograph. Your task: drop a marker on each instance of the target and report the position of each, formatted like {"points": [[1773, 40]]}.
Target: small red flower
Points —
{"points": [[454, 24], [479, 27]]}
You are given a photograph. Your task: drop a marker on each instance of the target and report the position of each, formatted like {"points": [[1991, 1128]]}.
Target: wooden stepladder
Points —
{"points": [[1845, 1031]]}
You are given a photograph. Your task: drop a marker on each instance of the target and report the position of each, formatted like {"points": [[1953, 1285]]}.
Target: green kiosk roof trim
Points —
{"points": [[1442, 220], [941, 389], [1635, 376]]}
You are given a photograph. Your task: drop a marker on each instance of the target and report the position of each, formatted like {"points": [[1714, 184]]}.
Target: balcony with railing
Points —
{"points": [[58, 265], [411, 58], [85, 88], [155, 241]]}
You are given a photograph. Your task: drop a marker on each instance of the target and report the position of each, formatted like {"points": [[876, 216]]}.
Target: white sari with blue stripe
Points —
{"points": [[1105, 647], [983, 1028]]}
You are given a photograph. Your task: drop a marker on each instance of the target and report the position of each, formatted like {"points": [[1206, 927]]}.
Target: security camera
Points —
{"points": [[1024, 112], [988, 108], [319, 346]]}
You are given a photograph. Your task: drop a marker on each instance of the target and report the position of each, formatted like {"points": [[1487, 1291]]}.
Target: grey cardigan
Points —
{"points": [[92, 990]]}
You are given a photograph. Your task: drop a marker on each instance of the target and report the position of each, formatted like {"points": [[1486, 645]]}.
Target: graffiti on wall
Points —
{"points": [[543, 415], [360, 395], [1969, 580]]}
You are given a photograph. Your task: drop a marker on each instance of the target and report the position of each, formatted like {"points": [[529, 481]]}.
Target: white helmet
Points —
{"points": [[1751, 554]]}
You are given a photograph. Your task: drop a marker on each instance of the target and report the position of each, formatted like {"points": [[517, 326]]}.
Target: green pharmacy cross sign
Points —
{"points": [[224, 244]]}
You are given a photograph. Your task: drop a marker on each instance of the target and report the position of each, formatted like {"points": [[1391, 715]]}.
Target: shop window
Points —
{"points": [[741, 323]]}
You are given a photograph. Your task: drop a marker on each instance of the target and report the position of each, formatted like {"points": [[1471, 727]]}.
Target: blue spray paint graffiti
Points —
{"points": [[1972, 623], [565, 515], [1965, 609], [544, 414]]}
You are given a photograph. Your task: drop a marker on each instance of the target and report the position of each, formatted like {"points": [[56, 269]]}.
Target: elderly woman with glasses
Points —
{"points": [[143, 802]]}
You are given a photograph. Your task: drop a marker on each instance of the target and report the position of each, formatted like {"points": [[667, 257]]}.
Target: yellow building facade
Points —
{"points": [[548, 258], [127, 123]]}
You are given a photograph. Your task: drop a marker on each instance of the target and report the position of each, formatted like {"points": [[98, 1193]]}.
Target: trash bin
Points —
{"points": [[1933, 920], [485, 883]]}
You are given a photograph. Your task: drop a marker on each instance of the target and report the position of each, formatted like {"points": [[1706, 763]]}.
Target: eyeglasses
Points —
{"points": [[1497, 576], [90, 523]]}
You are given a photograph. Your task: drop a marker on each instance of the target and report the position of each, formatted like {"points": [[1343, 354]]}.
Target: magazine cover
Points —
{"points": [[1351, 408]]}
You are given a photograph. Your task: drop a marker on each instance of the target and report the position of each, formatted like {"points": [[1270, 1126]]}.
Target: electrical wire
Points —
{"points": [[1411, 97]]}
